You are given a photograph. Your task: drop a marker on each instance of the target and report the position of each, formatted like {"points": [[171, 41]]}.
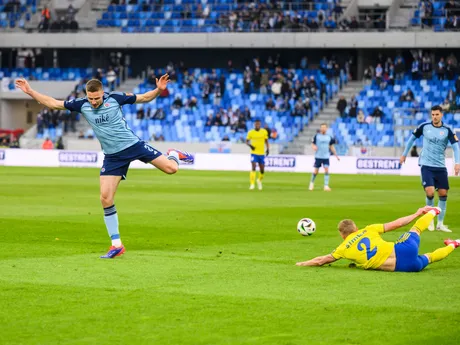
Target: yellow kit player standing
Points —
{"points": [[257, 140]]}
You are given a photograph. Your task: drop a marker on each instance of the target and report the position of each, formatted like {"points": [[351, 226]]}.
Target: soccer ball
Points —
{"points": [[306, 227]]}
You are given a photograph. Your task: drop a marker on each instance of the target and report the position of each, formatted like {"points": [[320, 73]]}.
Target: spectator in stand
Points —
{"points": [[177, 104], [299, 109], [399, 68], [4, 143], [59, 144], [450, 70], [415, 70], [14, 143], [354, 25], [361, 118], [352, 112], [413, 152], [377, 114], [452, 23], [247, 79], [111, 78], [341, 106], [451, 8], [407, 96], [330, 24], [378, 74], [71, 13], [427, 66], [441, 70], [446, 105], [270, 104], [47, 144], [192, 103]]}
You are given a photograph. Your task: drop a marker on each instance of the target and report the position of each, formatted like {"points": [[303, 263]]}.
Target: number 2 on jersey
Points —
{"points": [[365, 244]]}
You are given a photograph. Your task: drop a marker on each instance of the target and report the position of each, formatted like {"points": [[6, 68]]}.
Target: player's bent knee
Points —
{"points": [[172, 168]]}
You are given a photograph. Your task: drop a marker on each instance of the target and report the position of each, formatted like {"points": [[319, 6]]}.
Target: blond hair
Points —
{"points": [[94, 85], [347, 226]]}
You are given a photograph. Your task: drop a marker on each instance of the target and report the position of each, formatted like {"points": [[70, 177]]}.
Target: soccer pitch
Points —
{"points": [[210, 262]]}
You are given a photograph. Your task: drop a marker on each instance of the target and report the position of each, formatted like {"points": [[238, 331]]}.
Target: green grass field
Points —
{"points": [[210, 262]]}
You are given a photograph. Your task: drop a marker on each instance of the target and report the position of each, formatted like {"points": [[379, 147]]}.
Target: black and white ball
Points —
{"points": [[306, 227]]}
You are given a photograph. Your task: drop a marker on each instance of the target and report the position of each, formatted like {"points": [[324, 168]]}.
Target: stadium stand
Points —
{"points": [[14, 13], [439, 15], [210, 105], [221, 16]]}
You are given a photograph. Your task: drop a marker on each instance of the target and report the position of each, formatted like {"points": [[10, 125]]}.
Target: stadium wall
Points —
{"points": [[419, 39], [18, 113], [220, 162]]}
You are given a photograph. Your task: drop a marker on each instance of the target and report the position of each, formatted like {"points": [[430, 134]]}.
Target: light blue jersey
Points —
{"points": [[107, 121], [435, 142], [323, 142]]}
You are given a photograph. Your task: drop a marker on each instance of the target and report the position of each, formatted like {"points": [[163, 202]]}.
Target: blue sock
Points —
{"points": [[313, 176], [111, 222], [326, 180], [442, 203], [430, 201]]}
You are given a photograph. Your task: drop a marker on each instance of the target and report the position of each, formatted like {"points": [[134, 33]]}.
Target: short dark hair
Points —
{"points": [[94, 85], [436, 108], [257, 120]]}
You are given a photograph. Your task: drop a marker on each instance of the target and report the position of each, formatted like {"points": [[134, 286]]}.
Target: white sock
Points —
{"points": [[116, 243], [174, 156]]}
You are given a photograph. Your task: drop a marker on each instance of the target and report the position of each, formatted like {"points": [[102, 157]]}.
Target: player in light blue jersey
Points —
{"points": [[323, 144], [436, 137], [120, 145]]}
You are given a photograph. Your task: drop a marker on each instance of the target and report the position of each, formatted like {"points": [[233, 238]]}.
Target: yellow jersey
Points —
{"points": [[257, 139], [365, 247]]}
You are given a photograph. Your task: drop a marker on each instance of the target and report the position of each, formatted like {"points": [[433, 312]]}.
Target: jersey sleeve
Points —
{"points": [[314, 140], [123, 98], [266, 134], [75, 104], [451, 136], [378, 228], [418, 132], [249, 136], [339, 252], [332, 141]]}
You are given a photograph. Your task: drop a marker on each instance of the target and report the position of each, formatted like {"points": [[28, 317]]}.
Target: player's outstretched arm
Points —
{"points": [[47, 101], [409, 145], [149, 96], [403, 221], [318, 261]]}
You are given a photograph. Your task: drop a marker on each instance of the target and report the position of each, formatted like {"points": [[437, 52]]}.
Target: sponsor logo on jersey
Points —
{"points": [[106, 105], [102, 119], [78, 157]]}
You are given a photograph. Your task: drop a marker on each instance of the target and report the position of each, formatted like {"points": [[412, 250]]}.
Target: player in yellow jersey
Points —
{"points": [[368, 250], [257, 140]]}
